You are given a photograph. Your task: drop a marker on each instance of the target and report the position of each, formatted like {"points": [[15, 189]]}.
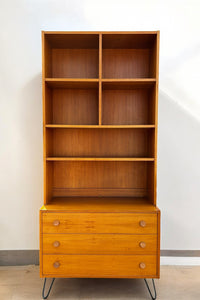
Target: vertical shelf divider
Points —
{"points": [[100, 79]]}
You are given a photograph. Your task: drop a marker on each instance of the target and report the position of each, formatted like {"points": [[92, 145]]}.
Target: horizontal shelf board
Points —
{"points": [[100, 32], [99, 126], [81, 83], [100, 159], [118, 84], [113, 83], [100, 204], [132, 80]]}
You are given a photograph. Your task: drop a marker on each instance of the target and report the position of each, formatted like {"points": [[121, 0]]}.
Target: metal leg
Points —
{"points": [[152, 297], [43, 296]]}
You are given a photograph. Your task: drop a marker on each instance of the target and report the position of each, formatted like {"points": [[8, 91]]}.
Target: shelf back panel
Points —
{"points": [[75, 63], [126, 63], [99, 179], [127, 107], [73, 41], [75, 106], [128, 41]]}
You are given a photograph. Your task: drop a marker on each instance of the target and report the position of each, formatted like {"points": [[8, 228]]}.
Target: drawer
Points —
{"points": [[100, 223], [99, 244], [100, 266]]}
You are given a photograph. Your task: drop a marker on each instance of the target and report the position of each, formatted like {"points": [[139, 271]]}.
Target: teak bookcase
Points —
{"points": [[100, 106]]}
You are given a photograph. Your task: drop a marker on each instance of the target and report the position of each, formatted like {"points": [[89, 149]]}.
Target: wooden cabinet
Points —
{"points": [[100, 103]]}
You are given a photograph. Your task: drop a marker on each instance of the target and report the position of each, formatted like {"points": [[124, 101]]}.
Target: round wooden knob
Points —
{"points": [[142, 223], [56, 244], [56, 264], [56, 222], [142, 265], [142, 245]]}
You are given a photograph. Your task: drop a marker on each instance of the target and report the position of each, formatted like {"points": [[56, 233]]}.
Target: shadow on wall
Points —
{"points": [[31, 132], [178, 175], [22, 164]]}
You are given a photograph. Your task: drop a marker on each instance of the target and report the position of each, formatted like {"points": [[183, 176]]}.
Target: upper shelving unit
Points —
{"points": [[100, 114]]}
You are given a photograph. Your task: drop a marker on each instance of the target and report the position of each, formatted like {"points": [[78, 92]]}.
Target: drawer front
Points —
{"points": [[99, 244], [102, 266], [99, 223]]}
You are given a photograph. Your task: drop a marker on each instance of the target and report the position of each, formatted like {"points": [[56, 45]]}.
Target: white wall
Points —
{"points": [[21, 108]]}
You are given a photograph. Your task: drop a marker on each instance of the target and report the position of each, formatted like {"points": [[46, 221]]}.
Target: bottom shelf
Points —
{"points": [[100, 204]]}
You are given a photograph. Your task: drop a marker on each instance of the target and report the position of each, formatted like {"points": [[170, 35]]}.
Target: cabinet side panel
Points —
{"points": [[158, 249], [44, 63], [45, 71], [41, 245], [156, 117]]}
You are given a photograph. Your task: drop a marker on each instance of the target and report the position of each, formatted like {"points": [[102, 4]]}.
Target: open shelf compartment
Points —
{"points": [[100, 179], [128, 103], [129, 55], [71, 55], [105, 142], [72, 105]]}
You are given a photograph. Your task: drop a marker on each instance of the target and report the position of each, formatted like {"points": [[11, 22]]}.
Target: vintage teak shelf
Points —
{"points": [[100, 107]]}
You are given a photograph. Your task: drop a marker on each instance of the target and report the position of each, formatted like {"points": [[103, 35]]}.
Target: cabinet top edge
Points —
{"points": [[100, 32]]}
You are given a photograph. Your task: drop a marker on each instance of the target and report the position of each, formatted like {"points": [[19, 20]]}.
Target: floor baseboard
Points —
{"points": [[19, 257], [181, 253]]}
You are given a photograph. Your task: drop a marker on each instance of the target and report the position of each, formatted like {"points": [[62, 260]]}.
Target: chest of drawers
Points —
{"points": [[100, 244]]}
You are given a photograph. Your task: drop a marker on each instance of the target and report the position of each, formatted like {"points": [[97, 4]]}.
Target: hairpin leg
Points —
{"points": [[43, 290], [152, 297]]}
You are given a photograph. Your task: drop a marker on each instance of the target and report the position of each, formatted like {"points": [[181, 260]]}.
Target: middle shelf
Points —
{"points": [[129, 144], [100, 159], [98, 126]]}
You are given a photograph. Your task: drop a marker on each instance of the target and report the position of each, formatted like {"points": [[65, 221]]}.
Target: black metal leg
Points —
{"points": [[43, 296], [152, 297]]}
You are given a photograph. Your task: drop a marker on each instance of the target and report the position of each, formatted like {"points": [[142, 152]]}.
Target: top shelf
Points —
{"points": [[100, 55]]}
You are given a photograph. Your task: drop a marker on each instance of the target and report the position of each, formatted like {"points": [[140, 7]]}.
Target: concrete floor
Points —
{"points": [[180, 283]]}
